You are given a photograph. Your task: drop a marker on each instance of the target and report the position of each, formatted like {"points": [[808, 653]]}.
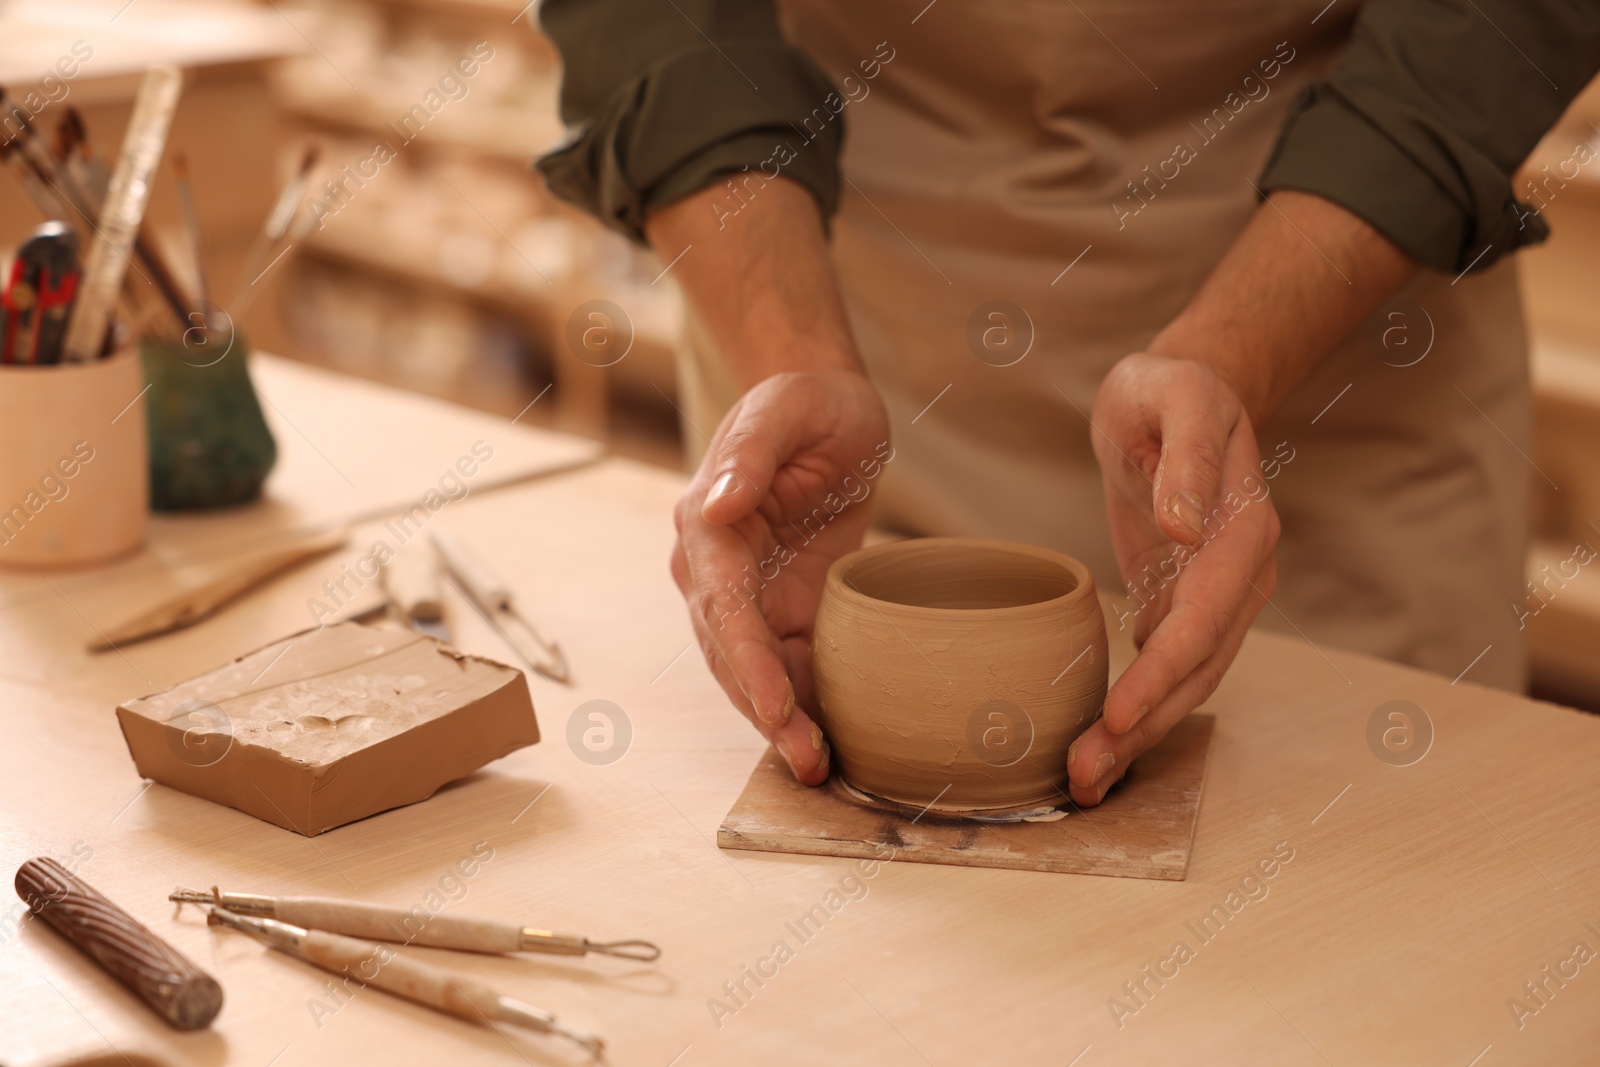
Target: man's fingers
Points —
{"points": [[728, 615], [798, 740], [761, 432], [1212, 588], [1099, 758], [803, 747], [1196, 437], [1213, 596]]}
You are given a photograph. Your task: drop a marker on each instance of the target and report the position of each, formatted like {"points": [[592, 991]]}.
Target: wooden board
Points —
{"points": [[1143, 829]]}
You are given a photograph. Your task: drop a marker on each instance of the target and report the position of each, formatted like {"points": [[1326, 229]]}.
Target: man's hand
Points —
{"points": [[1191, 521], [763, 285], [757, 530], [1194, 531]]}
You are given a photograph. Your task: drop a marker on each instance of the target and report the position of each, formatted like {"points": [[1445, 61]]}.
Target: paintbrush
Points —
{"points": [[273, 231], [117, 229], [374, 964], [46, 198], [358, 919], [84, 208], [191, 226], [73, 149]]}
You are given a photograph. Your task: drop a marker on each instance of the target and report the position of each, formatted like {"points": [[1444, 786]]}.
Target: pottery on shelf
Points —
{"points": [[954, 673]]}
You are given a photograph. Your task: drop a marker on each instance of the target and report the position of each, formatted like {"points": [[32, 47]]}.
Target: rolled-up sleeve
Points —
{"points": [[661, 99], [1421, 126]]}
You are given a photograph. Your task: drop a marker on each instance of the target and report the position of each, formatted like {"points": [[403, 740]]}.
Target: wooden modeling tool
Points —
{"points": [[379, 923], [220, 584], [410, 580], [122, 213], [180, 992], [378, 965], [493, 598]]}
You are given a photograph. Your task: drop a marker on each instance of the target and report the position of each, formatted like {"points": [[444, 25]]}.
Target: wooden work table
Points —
{"points": [[1419, 899]]}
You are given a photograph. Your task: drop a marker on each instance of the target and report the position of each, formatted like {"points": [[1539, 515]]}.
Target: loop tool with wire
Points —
{"points": [[416, 927]]}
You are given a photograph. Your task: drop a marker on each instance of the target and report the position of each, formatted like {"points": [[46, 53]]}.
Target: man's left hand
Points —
{"points": [[1194, 532]]}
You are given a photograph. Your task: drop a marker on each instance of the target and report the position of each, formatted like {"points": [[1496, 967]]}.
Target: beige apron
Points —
{"points": [[986, 156]]}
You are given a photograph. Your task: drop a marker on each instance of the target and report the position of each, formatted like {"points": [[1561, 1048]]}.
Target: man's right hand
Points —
{"points": [[758, 529], [756, 271]]}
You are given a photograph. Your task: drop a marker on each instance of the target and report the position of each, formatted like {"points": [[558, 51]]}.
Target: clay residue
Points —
{"points": [[320, 695]]}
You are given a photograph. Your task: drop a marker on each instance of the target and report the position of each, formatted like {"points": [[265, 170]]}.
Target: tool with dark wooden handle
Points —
{"points": [[169, 982]]}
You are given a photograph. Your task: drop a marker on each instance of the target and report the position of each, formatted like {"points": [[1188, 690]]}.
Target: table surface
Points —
{"points": [[1416, 901], [348, 451]]}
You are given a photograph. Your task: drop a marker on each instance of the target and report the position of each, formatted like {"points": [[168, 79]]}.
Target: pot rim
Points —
{"points": [[1084, 588]]}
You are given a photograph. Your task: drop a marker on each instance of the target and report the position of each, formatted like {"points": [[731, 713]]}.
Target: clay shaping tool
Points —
{"points": [[428, 986], [180, 992], [493, 597], [358, 919], [411, 582], [122, 213], [229, 580]]}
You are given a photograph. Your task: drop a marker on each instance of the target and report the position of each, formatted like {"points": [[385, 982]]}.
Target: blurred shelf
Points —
{"points": [[1564, 623], [502, 11], [125, 39], [515, 134], [456, 233]]}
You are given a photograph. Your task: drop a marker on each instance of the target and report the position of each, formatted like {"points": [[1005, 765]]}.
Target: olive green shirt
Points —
{"points": [[1418, 129]]}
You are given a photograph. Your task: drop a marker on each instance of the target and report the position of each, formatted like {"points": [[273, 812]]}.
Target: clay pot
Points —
{"points": [[956, 672]]}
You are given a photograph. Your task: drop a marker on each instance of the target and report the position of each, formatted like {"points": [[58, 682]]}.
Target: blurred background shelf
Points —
{"points": [[447, 269], [1561, 292]]}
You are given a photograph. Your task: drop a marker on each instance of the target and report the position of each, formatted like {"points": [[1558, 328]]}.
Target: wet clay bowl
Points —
{"points": [[953, 673]]}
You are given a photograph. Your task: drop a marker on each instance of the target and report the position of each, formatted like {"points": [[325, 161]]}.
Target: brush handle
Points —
{"points": [[169, 982], [117, 230], [383, 967], [482, 583], [412, 581], [415, 927]]}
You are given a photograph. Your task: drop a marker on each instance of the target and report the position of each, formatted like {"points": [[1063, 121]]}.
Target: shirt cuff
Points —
{"points": [[1441, 201], [657, 140]]}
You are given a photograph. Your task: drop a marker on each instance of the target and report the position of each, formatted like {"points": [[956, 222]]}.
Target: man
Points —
{"points": [[1293, 215]]}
